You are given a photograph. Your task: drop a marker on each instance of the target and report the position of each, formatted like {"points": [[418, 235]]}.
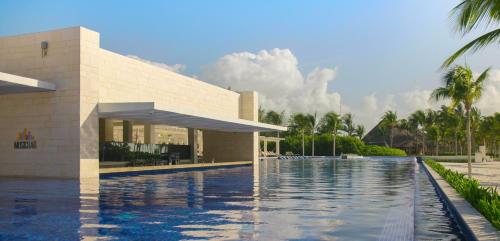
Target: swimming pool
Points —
{"points": [[318, 199]]}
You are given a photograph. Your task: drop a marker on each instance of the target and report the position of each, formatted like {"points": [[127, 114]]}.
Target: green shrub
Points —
{"points": [[369, 150], [485, 199], [323, 146]]}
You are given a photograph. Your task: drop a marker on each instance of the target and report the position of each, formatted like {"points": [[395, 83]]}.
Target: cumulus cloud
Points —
{"points": [[276, 76], [490, 101], [406, 102], [282, 87], [178, 68]]}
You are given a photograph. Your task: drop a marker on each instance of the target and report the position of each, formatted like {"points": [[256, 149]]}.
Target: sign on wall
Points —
{"points": [[25, 140]]}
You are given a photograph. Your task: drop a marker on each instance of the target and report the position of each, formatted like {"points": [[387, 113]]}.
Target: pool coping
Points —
{"points": [[474, 225], [181, 167]]}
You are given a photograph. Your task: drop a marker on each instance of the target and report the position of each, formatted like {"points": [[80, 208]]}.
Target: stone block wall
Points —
{"points": [[54, 118]]}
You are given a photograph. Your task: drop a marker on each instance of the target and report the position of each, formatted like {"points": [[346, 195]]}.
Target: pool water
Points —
{"points": [[318, 199]]}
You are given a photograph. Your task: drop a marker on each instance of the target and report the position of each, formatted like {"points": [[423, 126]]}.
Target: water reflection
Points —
{"points": [[273, 200], [42, 209]]}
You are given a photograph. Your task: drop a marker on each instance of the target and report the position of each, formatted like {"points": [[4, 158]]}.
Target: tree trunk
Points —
{"points": [[437, 147], [415, 139], [456, 144], [391, 136], [303, 143], [469, 145], [423, 144], [334, 142], [312, 152]]}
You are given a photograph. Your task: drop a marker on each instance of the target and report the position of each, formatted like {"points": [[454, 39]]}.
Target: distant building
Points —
{"points": [[402, 139]]}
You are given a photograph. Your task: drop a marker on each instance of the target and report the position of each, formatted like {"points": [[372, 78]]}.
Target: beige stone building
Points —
{"points": [[61, 94]]}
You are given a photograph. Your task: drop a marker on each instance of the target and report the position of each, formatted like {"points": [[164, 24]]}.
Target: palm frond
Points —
{"points": [[469, 14], [473, 46], [440, 93], [482, 77]]}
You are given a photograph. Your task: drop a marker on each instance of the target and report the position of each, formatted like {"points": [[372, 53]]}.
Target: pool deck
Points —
{"points": [[171, 167], [487, 173], [479, 226]]}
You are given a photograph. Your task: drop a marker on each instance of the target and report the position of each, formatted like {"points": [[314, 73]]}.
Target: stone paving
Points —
{"points": [[487, 173]]}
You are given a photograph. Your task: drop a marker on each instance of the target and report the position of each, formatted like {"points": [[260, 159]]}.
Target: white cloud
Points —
{"points": [[404, 103], [490, 101], [281, 85], [277, 78], [178, 68]]}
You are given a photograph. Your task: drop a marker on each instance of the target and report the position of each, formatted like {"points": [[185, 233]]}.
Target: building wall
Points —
{"points": [[232, 146], [65, 122], [54, 118], [123, 79]]}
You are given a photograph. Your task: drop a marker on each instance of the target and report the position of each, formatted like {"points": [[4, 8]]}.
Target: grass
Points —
{"points": [[484, 199]]}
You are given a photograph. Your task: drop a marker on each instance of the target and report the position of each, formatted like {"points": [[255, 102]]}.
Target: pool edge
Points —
{"points": [[105, 172], [474, 225]]}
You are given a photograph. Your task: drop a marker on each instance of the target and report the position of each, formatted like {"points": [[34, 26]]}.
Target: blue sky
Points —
{"points": [[376, 47]]}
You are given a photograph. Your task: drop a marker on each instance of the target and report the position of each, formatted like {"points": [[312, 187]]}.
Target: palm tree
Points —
{"points": [[275, 118], [300, 123], [417, 119], [360, 131], [475, 119], [311, 120], [461, 88], [390, 121], [261, 115], [411, 127], [329, 124], [458, 123], [431, 129], [348, 124], [469, 15]]}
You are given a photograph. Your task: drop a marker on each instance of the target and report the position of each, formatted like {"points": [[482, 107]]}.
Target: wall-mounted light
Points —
{"points": [[45, 47]]}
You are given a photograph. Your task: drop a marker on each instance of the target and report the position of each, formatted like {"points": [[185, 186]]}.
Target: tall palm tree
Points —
{"points": [[300, 123], [461, 88], [475, 119], [390, 122], [469, 15], [348, 124], [312, 122], [330, 124], [430, 125], [275, 118], [360, 131], [261, 114], [458, 122], [411, 127], [417, 119]]}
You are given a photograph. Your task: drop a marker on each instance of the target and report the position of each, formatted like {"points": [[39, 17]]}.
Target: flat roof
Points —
{"points": [[149, 112], [14, 84]]}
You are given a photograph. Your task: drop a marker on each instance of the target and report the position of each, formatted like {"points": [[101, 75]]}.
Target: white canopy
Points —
{"points": [[148, 112], [12, 84]]}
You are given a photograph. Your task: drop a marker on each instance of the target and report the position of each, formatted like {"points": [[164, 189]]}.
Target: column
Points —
{"points": [[105, 130], [127, 131], [278, 148], [265, 148], [193, 144], [149, 134]]}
